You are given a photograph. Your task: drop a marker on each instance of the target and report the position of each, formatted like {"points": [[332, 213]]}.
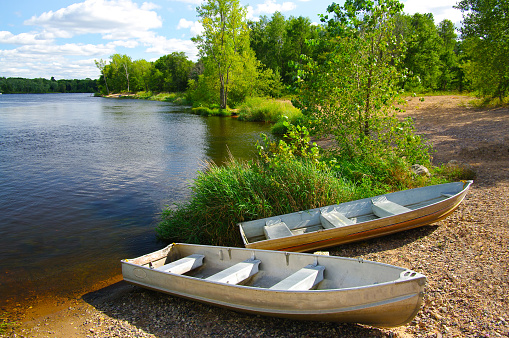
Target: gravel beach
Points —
{"points": [[465, 258]]}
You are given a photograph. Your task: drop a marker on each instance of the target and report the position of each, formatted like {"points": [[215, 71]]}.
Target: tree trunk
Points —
{"points": [[223, 97]]}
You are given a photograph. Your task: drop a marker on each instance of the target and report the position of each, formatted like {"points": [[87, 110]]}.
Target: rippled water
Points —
{"points": [[82, 180]]}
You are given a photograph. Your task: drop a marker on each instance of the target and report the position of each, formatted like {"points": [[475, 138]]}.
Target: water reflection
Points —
{"points": [[82, 180]]}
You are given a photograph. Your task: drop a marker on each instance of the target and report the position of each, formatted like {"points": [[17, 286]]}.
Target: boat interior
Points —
{"points": [[273, 270], [336, 216]]}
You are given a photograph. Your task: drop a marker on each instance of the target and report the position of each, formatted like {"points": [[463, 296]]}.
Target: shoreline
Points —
{"points": [[465, 258]]}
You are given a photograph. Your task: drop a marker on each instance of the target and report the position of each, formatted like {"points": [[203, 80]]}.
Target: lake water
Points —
{"points": [[83, 179]]}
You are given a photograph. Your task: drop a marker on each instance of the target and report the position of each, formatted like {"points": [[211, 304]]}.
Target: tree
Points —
{"points": [[101, 64], [449, 68], [348, 91], [142, 71], [485, 33], [225, 40], [122, 66], [422, 58], [173, 71]]}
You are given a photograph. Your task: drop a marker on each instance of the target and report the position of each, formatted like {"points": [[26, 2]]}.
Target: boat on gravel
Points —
{"points": [[354, 221], [282, 284]]}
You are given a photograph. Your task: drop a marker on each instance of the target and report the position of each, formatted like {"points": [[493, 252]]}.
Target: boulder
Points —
{"points": [[420, 170]]}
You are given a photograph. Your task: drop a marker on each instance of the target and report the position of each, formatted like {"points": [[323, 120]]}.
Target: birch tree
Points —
{"points": [[224, 41]]}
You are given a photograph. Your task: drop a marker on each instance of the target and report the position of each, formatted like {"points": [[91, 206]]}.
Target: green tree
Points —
{"points": [[298, 31], [278, 43], [141, 74], [422, 58], [449, 68], [101, 65], [348, 91], [224, 42], [485, 33], [121, 68], [173, 71]]}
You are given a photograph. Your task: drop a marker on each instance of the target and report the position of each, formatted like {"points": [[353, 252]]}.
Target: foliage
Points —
{"points": [[13, 85], [485, 33], [224, 43], [206, 111], [456, 171], [171, 72], [348, 91], [279, 42], [177, 98], [423, 49]]}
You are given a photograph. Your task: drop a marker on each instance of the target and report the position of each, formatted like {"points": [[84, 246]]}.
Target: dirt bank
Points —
{"points": [[465, 257]]}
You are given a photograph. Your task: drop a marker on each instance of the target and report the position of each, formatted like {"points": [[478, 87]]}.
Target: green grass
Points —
{"points": [[259, 109], [488, 102], [177, 98], [224, 196], [206, 111]]}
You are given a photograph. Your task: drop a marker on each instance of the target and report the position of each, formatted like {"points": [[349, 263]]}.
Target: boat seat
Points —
{"points": [[276, 229], [334, 219], [304, 279], [236, 273], [183, 265], [382, 207]]}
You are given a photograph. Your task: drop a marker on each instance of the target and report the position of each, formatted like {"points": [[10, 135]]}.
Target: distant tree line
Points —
{"points": [[266, 61], [14, 85]]}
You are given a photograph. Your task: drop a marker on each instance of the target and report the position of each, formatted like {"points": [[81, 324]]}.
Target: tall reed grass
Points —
{"points": [[224, 196], [259, 109]]}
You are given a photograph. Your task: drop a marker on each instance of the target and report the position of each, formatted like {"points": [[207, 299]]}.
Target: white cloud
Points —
{"points": [[195, 26], [162, 46], [120, 18], [270, 7], [441, 9], [192, 2], [32, 38], [23, 63]]}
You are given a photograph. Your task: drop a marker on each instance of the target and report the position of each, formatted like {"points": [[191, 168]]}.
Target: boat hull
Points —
{"points": [[360, 231], [391, 302]]}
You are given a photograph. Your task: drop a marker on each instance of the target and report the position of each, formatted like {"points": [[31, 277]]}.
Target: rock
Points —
{"points": [[420, 170]]}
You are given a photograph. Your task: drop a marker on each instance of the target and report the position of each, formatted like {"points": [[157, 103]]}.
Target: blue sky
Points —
{"points": [[62, 38]]}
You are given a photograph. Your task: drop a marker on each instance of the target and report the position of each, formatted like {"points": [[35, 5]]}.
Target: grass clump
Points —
{"points": [[259, 109], [456, 171], [224, 196], [211, 111], [177, 98]]}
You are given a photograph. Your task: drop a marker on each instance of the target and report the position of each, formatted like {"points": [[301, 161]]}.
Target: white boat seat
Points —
{"points": [[382, 207], [334, 219], [183, 265], [304, 279], [276, 230], [236, 273]]}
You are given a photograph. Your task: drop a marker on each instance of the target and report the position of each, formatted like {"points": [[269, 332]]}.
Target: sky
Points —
{"points": [[62, 38]]}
